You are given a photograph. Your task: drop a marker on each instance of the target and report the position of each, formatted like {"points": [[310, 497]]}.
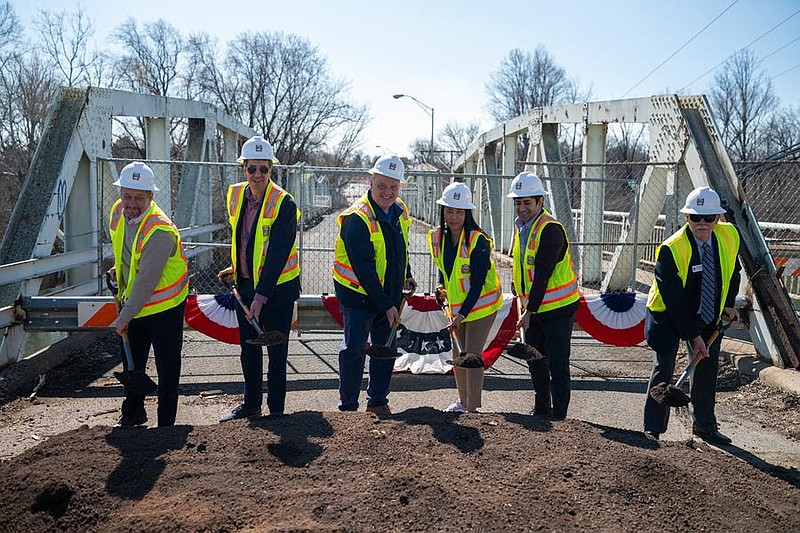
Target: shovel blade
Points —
{"points": [[137, 382], [377, 351], [670, 395], [468, 360], [269, 338], [524, 352]]}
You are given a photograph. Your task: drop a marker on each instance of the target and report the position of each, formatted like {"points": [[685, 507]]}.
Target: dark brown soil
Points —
{"points": [[418, 470]]}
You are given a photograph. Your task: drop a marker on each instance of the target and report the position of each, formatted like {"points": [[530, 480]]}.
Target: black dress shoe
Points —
{"points": [[712, 437], [239, 412], [651, 435], [129, 421]]}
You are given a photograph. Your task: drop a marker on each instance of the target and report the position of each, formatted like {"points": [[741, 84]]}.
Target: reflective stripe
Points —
{"points": [[168, 292], [559, 293], [116, 217], [236, 196], [291, 263]]}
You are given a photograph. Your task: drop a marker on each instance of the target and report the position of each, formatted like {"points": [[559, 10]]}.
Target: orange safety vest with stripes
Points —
{"points": [[342, 269], [562, 287], [173, 286], [273, 198], [457, 283], [678, 243]]}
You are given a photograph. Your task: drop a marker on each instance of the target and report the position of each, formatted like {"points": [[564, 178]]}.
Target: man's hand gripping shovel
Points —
{"points": [[385, 350], [263, 338], [673, 395], [133, 379], [522, 350]]}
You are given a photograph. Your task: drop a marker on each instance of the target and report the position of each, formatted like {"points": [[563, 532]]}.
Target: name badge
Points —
{"points": [[697, 268], [265, 231]]}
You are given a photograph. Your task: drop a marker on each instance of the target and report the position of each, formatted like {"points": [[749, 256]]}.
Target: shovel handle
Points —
{"points": [[126, 347], [253, 321], [448, 313], [711, 338]]}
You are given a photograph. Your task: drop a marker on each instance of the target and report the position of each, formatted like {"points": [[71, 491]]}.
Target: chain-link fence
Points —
{"points": [[602, 212]]}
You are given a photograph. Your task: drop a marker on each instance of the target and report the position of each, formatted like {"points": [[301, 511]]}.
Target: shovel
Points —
{"points": [[673, 395], [268, 338], [522, 350], [461, 358], [137, 381], [385, 350]]}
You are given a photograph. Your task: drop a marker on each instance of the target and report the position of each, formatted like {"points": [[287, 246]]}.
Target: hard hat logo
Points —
{"points": [[701, 201], [456, 196], [136, 176]]}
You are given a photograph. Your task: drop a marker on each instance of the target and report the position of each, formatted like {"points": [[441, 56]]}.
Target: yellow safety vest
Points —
{"points": [[273, 198], [681, 248], [342, 269], [173, 286], [458, 283], [562, 287]]}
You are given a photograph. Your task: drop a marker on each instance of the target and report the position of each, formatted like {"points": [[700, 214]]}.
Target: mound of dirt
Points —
{"points": [[419, 470]]}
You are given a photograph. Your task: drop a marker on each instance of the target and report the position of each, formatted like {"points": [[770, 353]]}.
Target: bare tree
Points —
{"points": [[457, 137], [152, 55], [742, 99], [281, 86], [783, 131], [65, 37], [525, 81]]}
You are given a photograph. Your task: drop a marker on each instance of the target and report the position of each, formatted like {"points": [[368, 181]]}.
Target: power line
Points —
{"points": [[684, 45], [751, 43], [785, 71]]}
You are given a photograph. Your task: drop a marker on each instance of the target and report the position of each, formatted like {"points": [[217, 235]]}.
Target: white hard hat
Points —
{"points": [[137, 175], [257, 148], [456, 195], [390, 166], [526, 184], [702, 201]]}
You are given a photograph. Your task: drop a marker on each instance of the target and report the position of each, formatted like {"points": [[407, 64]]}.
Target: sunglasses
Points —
{"points": [[252, 169], [704, 218]]}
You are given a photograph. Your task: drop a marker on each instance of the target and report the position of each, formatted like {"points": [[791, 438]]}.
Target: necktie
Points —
{"points": [[708, 291]]}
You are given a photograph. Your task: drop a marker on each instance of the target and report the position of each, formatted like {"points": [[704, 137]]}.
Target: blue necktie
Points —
{"points": [[708, 291]]}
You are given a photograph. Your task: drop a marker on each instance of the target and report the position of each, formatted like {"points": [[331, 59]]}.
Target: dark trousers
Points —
{"points": [[702, 384], [272, 318], [164, 332], [552, 336]]}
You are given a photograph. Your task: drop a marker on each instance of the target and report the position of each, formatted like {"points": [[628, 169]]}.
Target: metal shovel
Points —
{"points": [[522, 350], [269, 338], [385, 350], [673, 395], [461, 358], [137, 381]]}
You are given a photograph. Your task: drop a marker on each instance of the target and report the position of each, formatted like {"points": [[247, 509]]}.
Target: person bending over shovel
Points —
{"points": [[370, 273], [544, 276], [696, 280], [266, 269], [463, 253], [151, 276]]}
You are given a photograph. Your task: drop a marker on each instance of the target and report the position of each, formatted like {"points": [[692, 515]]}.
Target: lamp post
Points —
{"points": [[429, 110]]}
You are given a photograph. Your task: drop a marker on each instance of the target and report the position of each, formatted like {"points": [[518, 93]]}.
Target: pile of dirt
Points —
{"points": [[418, 470]]}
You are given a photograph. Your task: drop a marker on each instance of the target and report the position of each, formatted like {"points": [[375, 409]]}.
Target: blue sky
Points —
{"points": [[443, 52]]}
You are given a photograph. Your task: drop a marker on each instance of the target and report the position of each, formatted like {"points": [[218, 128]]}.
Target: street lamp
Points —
{"points": [[429, 110]]}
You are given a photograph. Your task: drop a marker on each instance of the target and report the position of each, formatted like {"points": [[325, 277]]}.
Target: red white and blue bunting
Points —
{"points": [[615, 318]]}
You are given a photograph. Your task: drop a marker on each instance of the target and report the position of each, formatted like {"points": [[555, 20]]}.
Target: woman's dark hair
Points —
{"points": [[469, 223]]}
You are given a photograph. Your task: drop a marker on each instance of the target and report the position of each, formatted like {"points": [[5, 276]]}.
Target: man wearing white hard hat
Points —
{"points": [[151, 275], [370, 272], [468, 280], [544, 279], [265, 268], [696, 281]]}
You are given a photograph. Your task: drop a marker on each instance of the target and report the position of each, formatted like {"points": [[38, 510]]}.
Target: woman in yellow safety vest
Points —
{"points": [[468, 277]]}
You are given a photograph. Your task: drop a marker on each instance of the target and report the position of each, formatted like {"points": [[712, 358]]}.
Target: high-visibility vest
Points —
{"points": [[458, 282], [562, 287], [342, 269], [681, 248], [273, 198], [173, 286]]}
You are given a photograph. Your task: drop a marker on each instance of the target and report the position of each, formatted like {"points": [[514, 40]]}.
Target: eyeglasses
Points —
{"points": [[704, 218], [252, 169]]}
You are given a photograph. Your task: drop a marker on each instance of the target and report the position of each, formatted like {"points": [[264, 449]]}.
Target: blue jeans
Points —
{"points": [[360, 322]]}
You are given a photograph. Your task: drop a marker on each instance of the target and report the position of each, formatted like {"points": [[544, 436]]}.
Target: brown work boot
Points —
{"points": [[379, 409]]}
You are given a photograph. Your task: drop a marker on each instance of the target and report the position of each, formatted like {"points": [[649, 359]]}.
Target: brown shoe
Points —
{"points": [[379, 409]]}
